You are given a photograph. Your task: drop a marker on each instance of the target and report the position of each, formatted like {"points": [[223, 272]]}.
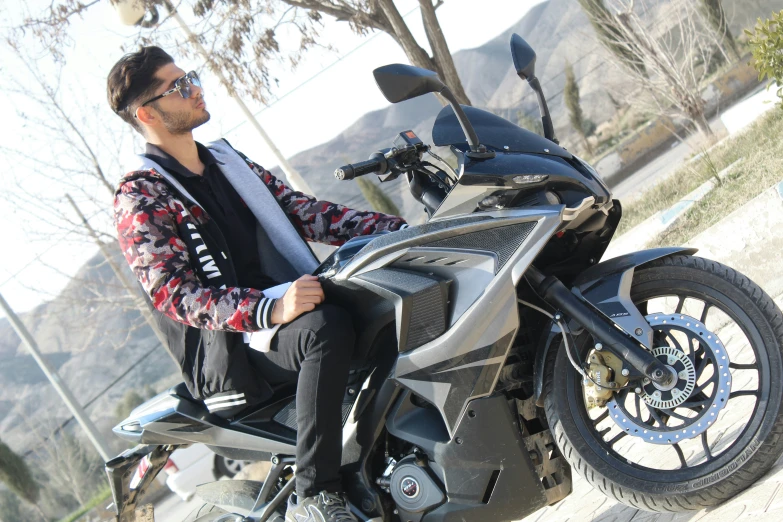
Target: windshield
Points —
{"points": [[493, 131]]}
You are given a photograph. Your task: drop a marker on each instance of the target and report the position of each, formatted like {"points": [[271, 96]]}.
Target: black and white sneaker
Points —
{"points": [[324, 507]]}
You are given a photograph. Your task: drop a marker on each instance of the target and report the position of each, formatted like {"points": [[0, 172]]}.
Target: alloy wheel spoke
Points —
{"points": [[706, 446], [656, 416], [696, 354], [695, 404], [703, 317], [702, 366], [681, 456], [601, 417], [738, 366], [673, 414], [672, 341], [681, 302], [700, 388], [744, 393], [614, 440]]}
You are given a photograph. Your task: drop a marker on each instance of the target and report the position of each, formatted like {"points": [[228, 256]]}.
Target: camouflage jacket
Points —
{"points": [[150, 220], [180, 259]]}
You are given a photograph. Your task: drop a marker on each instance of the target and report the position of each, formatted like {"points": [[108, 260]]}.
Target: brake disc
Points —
{"points": [[664, 399]]}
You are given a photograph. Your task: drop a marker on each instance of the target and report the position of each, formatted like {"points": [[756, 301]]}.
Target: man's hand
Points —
{"points": [[302, 296]]}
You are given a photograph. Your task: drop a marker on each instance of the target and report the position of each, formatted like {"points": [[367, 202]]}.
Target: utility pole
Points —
{"points": [[294, 178], [130, 288], [65, 394]]}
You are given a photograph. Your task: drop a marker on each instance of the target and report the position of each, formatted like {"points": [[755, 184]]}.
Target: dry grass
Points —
{"points": [[762, 148]]}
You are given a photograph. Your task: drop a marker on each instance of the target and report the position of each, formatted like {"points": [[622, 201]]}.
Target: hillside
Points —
{"points": [[90, 336], [558, 30]]}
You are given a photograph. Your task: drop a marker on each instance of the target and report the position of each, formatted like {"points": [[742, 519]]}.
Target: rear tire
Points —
{"points": [[228, 467], [724, 473]]}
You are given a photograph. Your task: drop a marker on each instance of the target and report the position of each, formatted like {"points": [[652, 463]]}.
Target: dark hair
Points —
{"points": [[133, 78]]}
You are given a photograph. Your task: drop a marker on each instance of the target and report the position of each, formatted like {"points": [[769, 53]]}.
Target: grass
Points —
{"points": [[762, 148], [101, 496]]}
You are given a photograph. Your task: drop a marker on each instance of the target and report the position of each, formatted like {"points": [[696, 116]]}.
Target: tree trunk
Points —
{"points": [[588, 147], [716, 17], [703, 125], [403, 35], [440, 51]]}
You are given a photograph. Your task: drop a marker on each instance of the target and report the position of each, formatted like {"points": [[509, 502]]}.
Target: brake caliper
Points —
{"points": [[605, 370]]}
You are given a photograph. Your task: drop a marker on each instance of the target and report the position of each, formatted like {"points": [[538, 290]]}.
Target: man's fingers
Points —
{"points": [[317, 299], [309, 291], [306, 284], [308, 307]]}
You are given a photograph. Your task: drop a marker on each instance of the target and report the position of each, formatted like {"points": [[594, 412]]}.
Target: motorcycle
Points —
{"points": [[495, 352]]}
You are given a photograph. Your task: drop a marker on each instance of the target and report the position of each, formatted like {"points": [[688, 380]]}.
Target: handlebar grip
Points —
{"points": [[354, 170]]}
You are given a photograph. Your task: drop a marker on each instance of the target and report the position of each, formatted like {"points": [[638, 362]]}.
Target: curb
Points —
{"points": [[639, 236], [671, 215]]}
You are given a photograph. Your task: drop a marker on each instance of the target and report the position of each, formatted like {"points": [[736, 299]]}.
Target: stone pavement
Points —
{"points": [[751, 241]]}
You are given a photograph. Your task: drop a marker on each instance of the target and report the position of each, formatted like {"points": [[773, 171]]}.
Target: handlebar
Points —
{"points": [[376, 163]]}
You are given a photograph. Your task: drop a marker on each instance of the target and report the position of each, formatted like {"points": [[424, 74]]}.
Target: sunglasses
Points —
{"points": [[181, 85]]}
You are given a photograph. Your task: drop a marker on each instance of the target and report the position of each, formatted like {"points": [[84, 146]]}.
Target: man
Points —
{"points": [[207, 231]]}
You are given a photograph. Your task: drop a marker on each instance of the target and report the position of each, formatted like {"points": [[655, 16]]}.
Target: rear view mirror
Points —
{"points": [[524, 57], [400, 82]]}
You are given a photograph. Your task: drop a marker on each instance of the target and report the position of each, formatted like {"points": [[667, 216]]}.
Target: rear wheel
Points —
{"points": [[712, 435], [228, 467]]}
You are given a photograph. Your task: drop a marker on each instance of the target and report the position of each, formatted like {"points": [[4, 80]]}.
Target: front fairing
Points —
{"points": [[569, 178]]}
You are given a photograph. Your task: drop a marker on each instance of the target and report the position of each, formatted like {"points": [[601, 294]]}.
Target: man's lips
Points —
{"points": [[201, 105]]}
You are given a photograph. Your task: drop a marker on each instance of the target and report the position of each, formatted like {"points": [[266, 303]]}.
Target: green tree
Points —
{"points": [[533, 124], [611, 37], [129, 401], [15, 474], [379, 201], [716, 19], [766, 43], [575, 114]]}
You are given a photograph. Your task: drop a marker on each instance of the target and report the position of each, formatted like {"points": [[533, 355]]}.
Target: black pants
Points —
{"points": [[315, 351]]}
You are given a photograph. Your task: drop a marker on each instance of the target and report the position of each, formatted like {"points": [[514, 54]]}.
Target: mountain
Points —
{"points": [[99, 346], [558, 30]]}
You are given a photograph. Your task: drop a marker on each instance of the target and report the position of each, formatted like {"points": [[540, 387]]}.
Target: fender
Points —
{"points": [[607, 286]]}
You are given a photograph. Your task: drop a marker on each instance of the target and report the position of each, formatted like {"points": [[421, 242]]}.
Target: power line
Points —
{"points": [[311, 78], [41, 254], [86, 405]]}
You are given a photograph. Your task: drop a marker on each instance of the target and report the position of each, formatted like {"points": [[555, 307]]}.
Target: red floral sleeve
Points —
{"points": [[146, 222], [323, 221]]}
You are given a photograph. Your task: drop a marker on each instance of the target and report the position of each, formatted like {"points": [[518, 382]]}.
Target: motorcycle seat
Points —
{"points": [[280, 392]]}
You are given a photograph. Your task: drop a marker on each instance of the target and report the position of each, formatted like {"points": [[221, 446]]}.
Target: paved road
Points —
{"points": [[667, 163]]}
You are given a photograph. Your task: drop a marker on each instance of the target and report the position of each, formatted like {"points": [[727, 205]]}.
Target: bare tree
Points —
{"points": [[611, 37], [243, 36], [75, 170], [675, 55], [715, 16], [70, 467]]}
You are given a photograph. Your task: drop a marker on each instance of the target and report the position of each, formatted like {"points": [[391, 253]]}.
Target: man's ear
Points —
{"points": [[145, 115]]}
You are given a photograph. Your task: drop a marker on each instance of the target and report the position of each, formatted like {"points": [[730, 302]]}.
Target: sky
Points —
{"points": [[329, 90]]}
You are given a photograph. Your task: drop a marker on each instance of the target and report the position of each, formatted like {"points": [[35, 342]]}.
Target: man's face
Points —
{"points": [[179, 115]]}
